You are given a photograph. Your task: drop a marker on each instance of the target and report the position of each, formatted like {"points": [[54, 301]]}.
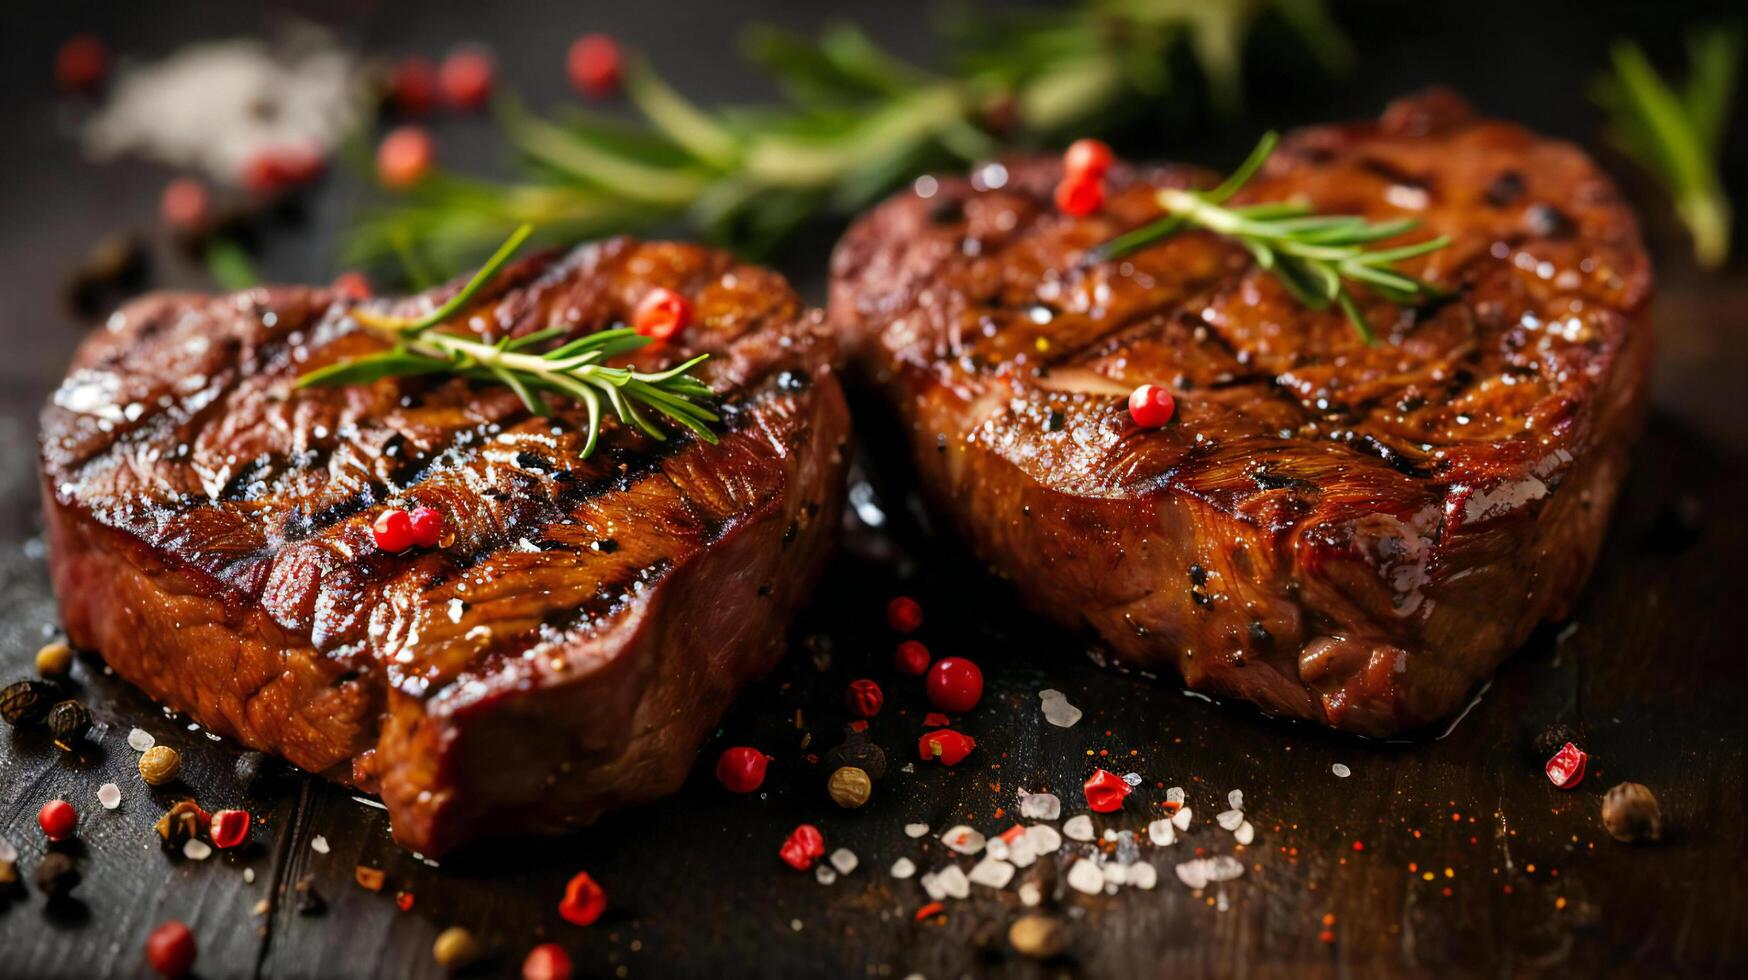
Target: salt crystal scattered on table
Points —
{"points": [[1175, 795], [825, 875], [1040, 806], [1245, 833], [1341, 771], [992, 873], [844, 860], [953, 882], [109, 795], [963, 839], [319, 844], [1022, 852], [1224, 868], [1128, 852], [914, 830], [1230, 819], [1160, 832], [248, 876], [1235, 799], [997, 848], [1193, 873], [1181, 819], [1116, 874], [903, 868], [931, 882], [196, 850], [1030, 894], [1143, 876], [1085, 876], [8, 851], [1057, 710], [1133, 778], [1110, 834], [1044, 838], [1078, 828], [140, 740]]}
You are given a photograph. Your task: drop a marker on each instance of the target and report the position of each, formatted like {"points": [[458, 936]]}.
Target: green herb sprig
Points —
{"points": [[574, 369], [1679, 135], [856, 121], [1314, 256]]}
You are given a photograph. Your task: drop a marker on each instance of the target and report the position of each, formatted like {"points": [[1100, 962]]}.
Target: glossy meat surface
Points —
{"points": [[1345, 534], [567, 652]]}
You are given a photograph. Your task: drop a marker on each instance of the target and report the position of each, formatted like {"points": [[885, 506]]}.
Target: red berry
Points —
{"points": [[804, 845], [1151, 406], [946, 745], [393, 531], [584, 901], [405, 157], [593, 64], [548, 961], [353, 285], [954, 684], [277, 169], [80, 64], [864, 698], [904, 614], [662, 314], [912, 658], [1105, 791], [170, 949], [741, 769], [412, 87], [1566, 768], [185, 206], [230, 828], [58, 819], [467, 77], [1087, 158], [427, 526], [1080, 195]]}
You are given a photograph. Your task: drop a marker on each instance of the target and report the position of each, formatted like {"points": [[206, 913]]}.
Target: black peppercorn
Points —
{"points": [[309, 901], [27, 702], [1550, 739], [858, 753], [1631, 815], [56, 875], [68, 723]]}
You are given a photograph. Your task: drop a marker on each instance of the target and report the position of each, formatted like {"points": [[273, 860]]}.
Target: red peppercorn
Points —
{"points": [[1087, 158], [393, 530], [954, 684], [427, 526], [741, 769], [58, 819], [662, 314], [904, 614], [1105, 791], [1080, 196], [467, 77], [170, 949], [946, 745], [185, 206], [584, 900], [864, 698], [277, 169], [405, 157], [912, 658], [353, 285], [81, 64], [412, 87], [804, 845], [1151, 406], [1566, 768], [593, 64], [230, 828], [935, 719], [548, 961]]}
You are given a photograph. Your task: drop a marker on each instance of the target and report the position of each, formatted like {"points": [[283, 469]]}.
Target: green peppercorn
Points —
{"points": [[27, 702], [455, 948], [68, 724]]}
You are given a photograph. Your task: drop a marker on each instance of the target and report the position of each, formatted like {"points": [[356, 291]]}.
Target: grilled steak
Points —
{"points": [[1348, 534], [210, 530]]}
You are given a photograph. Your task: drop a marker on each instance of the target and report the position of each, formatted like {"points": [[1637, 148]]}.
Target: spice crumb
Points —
{"points": [[319, 844], [140, 740], [1340, 771], [109, 795]]}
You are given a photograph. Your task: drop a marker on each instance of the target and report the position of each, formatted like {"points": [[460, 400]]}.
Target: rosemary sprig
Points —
{"points": [[1314, 256], [1679, 136], [856, 122], [575, 369]]}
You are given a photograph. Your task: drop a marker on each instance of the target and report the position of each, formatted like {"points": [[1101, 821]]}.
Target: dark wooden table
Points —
{"points": [[1448, 855]]}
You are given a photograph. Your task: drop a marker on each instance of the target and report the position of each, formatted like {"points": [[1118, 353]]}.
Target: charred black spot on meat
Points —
{"points": [[1260, 637], [1505, 190], [1547, 221], [1267, 478]]}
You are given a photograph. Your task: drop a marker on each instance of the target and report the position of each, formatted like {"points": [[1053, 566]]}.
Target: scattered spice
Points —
{"points": [[352, 285], [309, 901], [159, 765], [196, 850], [904, 614], [1106, 791], [412, 86], [68, 724], [584, 900], [185, 207], [140, 740], [1087, 158], [804, 845], [54, 660], [1566, 769], [184, 822], [170, 949], [1151, 406], [955, 684], [859, 752], [662, 314], [81, 64], [428, 527], [467, 77], [946, 745], [230, 828], [593, 64], [1631, 814], [58, 820], [405, 157], [404, 901], [1079, 196], [27, 702], [548, 961], [455, 948], [864, 698], [850, 787], [741, 769], [912, 658], [368, 878], [930, 910], [393, 530], [56, 875], [1038, 936]]}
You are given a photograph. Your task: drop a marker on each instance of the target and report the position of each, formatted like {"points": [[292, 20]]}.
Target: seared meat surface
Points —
{"points": [[210, 530], [1346, 534]]}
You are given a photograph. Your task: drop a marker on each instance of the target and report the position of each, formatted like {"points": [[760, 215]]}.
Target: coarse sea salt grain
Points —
{"points": [[1175, 795], [825, 875], [963, 840], [992, 873], [844, 860], [1030, 894], [1229, 819], [1045, 839], [1143, 876], [1181, 819], [1341, 771], [1132, 778], [1245, 833], [1086, 877], [1022, 853], [1116, 874], [1057, 710], [903, 868], [1161, 833], [319, 844], [1078, 828], [1040, 806], [915, 830], [196, 850], [109, 795], [140, 740], [997, 848], [953, 882], [8, 850], [1235, 799], [249, 876]]}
